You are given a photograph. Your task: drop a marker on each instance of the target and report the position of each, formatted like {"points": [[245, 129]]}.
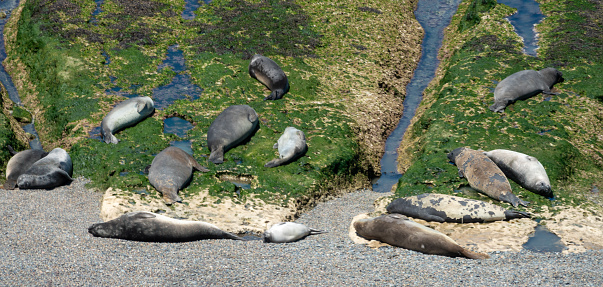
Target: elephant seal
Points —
{"points": [[151, 227], [523, 169], [125, 114], [483, 175], [19, 163], [232, 126], [291, 145], [398, 230], [171, 170], [270, 74], [55, 169], [284, 232], [448, 208], [523, 85]]}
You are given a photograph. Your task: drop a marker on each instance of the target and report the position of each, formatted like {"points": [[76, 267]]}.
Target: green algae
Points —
{"points": [[455, 113]]}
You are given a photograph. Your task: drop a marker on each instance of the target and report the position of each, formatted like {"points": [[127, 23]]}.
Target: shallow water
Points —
{"points": [[544, 241], [190, 6], [527, 16], [434, 17]]}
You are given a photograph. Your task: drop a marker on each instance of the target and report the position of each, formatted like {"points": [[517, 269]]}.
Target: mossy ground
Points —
{"points": [[563, 132], [337, 57]]}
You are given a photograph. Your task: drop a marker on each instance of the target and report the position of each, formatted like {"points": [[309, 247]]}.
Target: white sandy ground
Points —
{"points": [[578, 228]]}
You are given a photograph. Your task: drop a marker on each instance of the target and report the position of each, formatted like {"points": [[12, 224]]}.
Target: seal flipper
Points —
{"points": [[512, 199], [144, 215], [217, 155], [11, 150], [474, 255], [316, 231], [512, 214], [199, 167], [10, 184]]}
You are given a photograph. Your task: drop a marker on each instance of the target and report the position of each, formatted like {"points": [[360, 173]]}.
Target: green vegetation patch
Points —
{"points": [[456, 114]]}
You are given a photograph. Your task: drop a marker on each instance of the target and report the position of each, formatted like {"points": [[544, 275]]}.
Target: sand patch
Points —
{"points": [[252, 215], [580, 228]]}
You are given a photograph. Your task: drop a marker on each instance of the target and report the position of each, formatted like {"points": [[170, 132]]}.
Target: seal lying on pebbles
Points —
{"points": [[284, 232], [398, 230], [523, 169], [291, 145], [231, 127], [55, 169], [125, 114], [523, 85], [270, 74], [448, 208], [151, 227], [19, 163], [171, 170], [483, 175]]}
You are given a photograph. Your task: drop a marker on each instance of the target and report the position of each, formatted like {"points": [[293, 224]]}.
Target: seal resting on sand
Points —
{"points": [[152, 227], [398, 230]]}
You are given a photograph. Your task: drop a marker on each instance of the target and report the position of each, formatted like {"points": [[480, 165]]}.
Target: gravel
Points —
{"points": [[44, 241]]}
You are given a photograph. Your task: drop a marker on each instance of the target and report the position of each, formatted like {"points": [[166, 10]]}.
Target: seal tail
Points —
{"points": [[474, 255], [316, 231], [217, 155], [10, 184], [511, 214], [11, 150]]}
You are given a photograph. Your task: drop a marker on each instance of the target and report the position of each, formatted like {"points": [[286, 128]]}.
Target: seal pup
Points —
{"points": [[398, 230], [125, 114], [484, 175], [231, 127], [171, 170], [152, 227], [19, 163], [270, 74], [55, 169], [448, 208], [523, 85], [291, 145], [284, 232], [523, 169]]}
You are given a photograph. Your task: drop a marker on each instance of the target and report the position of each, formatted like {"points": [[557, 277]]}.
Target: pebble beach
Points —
{"points": [[44, 241]]}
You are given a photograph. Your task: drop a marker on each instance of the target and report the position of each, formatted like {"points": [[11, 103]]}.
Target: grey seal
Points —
{"points": [[171, 170], [55, 169], [484, 175], [125, 114], [523, 169], [448, 208], [398, 230], [284, 232], [270, 74], [151, 227], [19, 163], [231, 127], [291, 145], [523, 85]]}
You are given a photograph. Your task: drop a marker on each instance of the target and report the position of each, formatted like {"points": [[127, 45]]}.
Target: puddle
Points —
{"points": [[527, 16], [176, 126], [96, 11], [190, 6], [240, 181], [544, 241], [180, 87], [174, 59], [434, 17], [185, 145], [543, 132]]}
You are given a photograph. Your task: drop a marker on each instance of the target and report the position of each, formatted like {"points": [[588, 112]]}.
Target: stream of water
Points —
{"points": [[524, 21], [434, 17]]}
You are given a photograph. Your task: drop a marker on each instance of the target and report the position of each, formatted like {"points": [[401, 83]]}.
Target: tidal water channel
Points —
{"points": [[524, 21]]}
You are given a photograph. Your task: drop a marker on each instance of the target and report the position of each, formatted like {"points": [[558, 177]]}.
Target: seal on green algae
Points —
{"points": [[270, 74], [291, 145], [53, 170], [231, 127], [484, 175], [398, 230], [171, 170], [523, 169], [523, 85], [20, 163], [125, 114], [152, 227], [449, 208]]}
